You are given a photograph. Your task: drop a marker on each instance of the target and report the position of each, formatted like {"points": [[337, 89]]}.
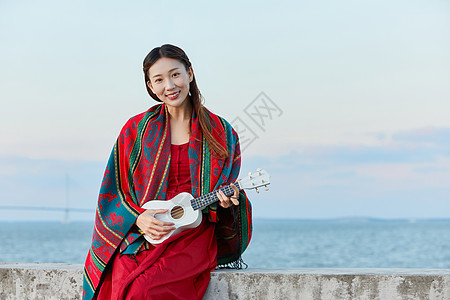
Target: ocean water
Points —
{"points": [[275, 244]]}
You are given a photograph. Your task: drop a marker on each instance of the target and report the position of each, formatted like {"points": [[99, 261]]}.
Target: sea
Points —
{"points": [[276, 244]]}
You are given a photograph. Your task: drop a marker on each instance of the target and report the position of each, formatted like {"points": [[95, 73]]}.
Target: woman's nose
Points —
{"points": [[169, 84]]}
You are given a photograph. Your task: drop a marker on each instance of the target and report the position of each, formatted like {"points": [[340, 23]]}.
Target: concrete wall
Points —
{"points": [[64, 281]]}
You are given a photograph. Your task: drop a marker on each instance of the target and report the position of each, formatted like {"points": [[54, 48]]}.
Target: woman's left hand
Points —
{"points": [[225, 201]]}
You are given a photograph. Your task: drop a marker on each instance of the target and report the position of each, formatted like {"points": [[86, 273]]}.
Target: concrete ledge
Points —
{"points": [[64, 281], [40, 281]]}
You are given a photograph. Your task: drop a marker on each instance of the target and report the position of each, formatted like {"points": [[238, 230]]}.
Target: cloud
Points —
{"points": [[432, 136], [432, 169], [422, 145], [351, 154], [397, 177]]}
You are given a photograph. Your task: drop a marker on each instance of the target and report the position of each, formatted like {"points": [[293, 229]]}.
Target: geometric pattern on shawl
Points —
{"points": [[137, 172]]}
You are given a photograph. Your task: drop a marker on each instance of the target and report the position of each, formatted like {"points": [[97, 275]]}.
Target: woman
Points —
{"points": [[176, 146]]}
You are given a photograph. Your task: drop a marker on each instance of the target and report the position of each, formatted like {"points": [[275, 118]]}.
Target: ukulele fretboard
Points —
{"points": [[210, 198]]}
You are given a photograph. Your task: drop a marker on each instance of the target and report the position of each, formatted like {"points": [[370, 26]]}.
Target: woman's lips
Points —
{"points": [[173, 96]]}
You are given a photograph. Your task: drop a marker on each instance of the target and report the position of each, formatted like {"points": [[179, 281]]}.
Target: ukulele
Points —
{"points": [[185, 211]]}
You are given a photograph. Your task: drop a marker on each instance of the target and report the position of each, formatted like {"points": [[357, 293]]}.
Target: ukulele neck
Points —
{"points": [[205, 200]]}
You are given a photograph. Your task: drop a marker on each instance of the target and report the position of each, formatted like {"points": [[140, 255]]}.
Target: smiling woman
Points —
{"points": [[176, 146], [170, 85]]}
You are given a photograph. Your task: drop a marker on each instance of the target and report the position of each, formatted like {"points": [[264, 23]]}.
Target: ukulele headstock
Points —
{"points": [[255, 180]]}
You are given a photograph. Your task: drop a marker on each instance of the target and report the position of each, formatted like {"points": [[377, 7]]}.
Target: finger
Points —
{"points": [[156, 235], [153, 237], [235, 198], [236, 191], [235, 201], [162, 224], [155, 220], [150, 214], [159, 211], [152, 232], [164, 229], [158, 232], [227, 203], [226, 200], [225, 197], [221, 196], [223, 203]]}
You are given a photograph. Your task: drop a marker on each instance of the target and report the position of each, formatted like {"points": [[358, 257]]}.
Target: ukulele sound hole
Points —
{"points": [[177, 212]]}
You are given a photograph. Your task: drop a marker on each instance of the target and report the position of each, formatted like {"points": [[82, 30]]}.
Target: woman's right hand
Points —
{"points": [[153, 227]]}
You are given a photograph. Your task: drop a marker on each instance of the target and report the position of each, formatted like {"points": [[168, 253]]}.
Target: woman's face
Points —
{"points": [[169, 81]]}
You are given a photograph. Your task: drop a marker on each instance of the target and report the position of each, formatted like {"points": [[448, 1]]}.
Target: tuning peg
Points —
{"points": [[257, 190], [259, 169], [266, 188], [250, 174]]}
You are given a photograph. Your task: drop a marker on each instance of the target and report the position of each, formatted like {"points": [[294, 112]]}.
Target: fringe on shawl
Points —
{"points": [[239, 263]]}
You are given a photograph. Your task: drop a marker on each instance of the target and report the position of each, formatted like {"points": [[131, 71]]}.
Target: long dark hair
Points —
{"points": [[171, 51]]}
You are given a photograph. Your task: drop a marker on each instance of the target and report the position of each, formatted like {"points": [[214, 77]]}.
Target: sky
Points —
{"points": [[345, 103]]}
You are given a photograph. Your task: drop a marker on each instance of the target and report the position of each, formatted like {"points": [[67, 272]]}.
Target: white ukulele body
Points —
{"points": [[180, 212]]}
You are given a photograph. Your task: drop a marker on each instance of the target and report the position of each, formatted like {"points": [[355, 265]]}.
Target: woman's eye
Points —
{"points": [[158, 80], [176, 74]]}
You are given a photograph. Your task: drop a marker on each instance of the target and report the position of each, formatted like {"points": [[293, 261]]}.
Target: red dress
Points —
{"points": [[178, 268]]}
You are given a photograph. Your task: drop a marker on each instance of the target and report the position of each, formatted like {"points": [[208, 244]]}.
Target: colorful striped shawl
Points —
{"points": [[137, 172]]}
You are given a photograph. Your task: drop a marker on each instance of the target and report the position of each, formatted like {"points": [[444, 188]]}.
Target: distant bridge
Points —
{"points": [[66, 210], [47, 208]]}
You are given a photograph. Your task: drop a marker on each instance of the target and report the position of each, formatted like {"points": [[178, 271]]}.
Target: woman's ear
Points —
{"points": [[191, 74], [150, 86]]}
